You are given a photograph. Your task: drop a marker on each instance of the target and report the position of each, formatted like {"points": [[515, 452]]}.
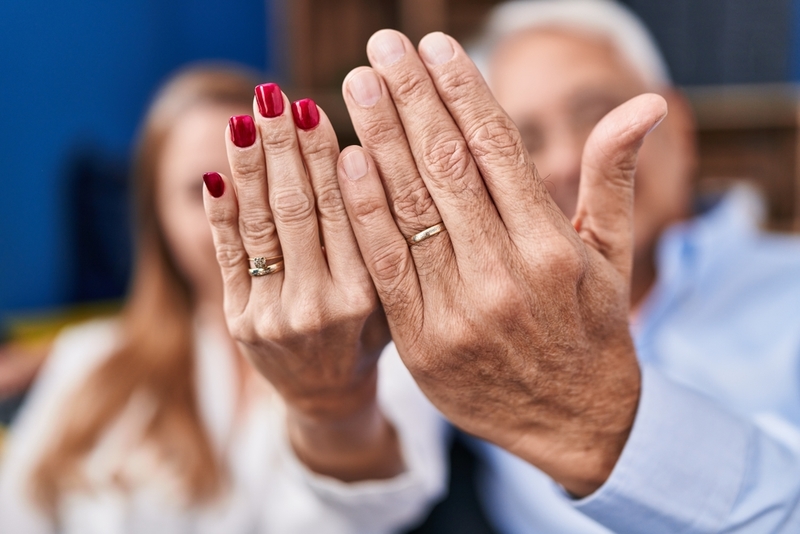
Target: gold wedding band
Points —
{"points": [[264, 266], [425, 234]]}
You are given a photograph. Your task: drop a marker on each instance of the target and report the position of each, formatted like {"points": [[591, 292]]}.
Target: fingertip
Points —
{"points": [[363, 86], [626, 126], [354, 163], [386, 47], [436, 48], [242, 131], [305, 113], [215, 184], [270, 101], [659, 107], [649, 110]]}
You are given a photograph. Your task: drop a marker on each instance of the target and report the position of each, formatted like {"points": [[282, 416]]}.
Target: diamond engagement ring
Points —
{"points": [[264, 266]]}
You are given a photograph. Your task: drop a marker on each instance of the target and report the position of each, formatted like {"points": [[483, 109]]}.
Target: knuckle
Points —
{"points": [[458, 86], [502, 297], [564, 258], [268, 331], [259, 229], [229, 256], [305, 320], [495, 141], [448, 162], [321, 150], [408, 87], [241, 329], [330, 204], [365, 210], [362, 303], [380, 132], [278, 140], [413, 203], [250, 169], [221, 216], [292, 205]]}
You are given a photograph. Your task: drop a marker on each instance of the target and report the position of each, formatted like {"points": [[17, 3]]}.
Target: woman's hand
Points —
{"points": [[306, 316]]}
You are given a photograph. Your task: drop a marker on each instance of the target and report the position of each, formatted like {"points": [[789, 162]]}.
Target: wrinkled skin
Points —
{"points": [[514, 321]]}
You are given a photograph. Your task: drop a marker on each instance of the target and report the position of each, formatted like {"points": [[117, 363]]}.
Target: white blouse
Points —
{"points": [[270, 490]]}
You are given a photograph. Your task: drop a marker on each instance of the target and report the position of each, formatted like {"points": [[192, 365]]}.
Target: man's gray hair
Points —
{"points": [[603, 18]]}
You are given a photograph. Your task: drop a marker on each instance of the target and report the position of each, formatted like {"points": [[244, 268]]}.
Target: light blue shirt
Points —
{"points": [[715, 445]]}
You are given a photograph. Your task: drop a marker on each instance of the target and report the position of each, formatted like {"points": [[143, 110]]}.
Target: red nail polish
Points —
{"points": [[214, 183], [243, 131], [306, 114], [269, 99]]}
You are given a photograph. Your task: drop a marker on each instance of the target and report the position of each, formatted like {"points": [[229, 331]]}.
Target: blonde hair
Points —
{"points": [[156, 356], [603, 18]]}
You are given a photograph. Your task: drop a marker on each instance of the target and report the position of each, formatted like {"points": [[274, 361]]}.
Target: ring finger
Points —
{"points": [[248, 171], [291, 197]]}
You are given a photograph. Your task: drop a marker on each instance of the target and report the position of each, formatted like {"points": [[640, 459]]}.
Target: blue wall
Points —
{"points": [[78, 73]]}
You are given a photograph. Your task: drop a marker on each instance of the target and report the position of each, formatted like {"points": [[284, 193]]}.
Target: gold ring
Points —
{"points": [[425, 234], [264, 266], [266, 269]]}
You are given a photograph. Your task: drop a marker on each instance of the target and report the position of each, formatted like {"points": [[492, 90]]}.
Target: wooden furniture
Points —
{"points": [[745, 132], [324, 39], [752, 133]]}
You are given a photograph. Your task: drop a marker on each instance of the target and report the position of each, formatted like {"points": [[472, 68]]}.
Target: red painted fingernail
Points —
{"points": [[306, 114], [243, 131], [214, 183], [269, 99]]}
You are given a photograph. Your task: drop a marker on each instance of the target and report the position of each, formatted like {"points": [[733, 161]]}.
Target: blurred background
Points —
{"points": [[77, 76]]}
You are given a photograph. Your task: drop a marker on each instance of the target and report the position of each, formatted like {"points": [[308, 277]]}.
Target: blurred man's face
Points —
{"points": [[556, 85]]}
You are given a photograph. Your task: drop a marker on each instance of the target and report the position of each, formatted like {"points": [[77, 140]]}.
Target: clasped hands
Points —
{"points": [[514, 321]]}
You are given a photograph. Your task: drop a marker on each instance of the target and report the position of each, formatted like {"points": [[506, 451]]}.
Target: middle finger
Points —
{"points": [[439, 149], [291, 197]]}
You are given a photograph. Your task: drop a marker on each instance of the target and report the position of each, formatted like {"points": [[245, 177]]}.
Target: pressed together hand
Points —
{"points": [[512, 322], [511, 318], [309, 320]]}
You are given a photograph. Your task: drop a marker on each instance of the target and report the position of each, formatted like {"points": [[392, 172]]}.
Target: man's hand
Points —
{"points": [[513, 323]]}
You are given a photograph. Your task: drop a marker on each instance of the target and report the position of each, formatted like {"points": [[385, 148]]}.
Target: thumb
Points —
{"points": [[604, 216]]}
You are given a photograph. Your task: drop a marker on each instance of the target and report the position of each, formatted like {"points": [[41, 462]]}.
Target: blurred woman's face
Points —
{"points": [[194, 145]]}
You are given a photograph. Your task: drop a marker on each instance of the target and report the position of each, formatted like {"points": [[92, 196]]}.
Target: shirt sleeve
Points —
{"points": [[690, 466], [382, 506]]}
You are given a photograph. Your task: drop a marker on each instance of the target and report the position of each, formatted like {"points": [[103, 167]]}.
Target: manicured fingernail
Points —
{"points": [[355, 164], [269, 99], [436, 48], [306, 114], [387, 48], [365, 88], [243, 131], [214, 184]]}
